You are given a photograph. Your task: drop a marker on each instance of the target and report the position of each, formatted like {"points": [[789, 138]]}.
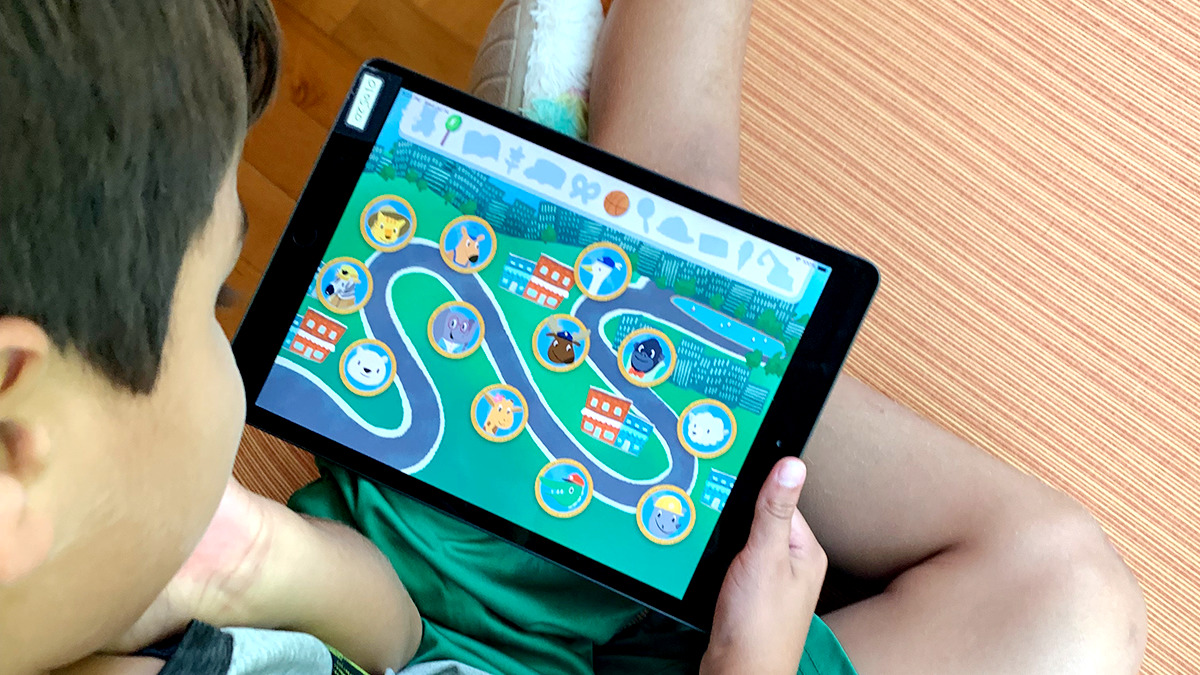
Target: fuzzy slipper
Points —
{"points": [[536, 59]]}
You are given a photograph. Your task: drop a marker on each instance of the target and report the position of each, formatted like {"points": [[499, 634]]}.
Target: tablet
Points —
{"points": [[566, 350]]}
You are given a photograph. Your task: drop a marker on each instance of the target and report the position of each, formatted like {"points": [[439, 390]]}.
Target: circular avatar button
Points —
{"points": [[603, 271], [456, 329], [707, 428], [561, 342], [563, 488], [388, 223], [344, 285], [647, 357], [666, 514], [368, 367], [498, 413], [468, 244]]}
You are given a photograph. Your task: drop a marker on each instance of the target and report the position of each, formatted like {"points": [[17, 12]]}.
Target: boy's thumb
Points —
{"points": [[772, 524]]}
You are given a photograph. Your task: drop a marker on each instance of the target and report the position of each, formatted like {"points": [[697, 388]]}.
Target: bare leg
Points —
{"points": [[986, 570]]}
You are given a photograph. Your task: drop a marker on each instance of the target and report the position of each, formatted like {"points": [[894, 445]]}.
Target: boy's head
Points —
{"points": [[121, 124]]}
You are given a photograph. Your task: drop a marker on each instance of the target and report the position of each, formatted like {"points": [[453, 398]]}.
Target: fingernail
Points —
{"points": [[791, 473]]}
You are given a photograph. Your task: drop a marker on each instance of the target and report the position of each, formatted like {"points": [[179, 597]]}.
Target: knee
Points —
{"points": [[1081, 586]]}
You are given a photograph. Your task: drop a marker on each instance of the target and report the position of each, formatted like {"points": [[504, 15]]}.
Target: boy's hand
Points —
{"points": [[770, 591], [222, 581]]}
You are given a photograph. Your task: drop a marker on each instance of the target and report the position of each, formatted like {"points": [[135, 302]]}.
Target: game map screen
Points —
{"points": [[578, 356]]}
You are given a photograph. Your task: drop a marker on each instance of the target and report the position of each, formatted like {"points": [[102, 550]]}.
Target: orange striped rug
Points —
{"points": [[1026, 176]]}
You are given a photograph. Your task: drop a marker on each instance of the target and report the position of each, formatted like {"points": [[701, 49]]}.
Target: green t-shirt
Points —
{"points": [[494, 606]]}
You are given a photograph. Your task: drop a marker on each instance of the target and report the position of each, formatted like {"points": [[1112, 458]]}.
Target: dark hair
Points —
{"points": [[118, 121]]}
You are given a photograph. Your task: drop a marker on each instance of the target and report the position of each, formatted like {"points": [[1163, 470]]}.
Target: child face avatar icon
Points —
{"points": [[667, 516], [367, 368]]}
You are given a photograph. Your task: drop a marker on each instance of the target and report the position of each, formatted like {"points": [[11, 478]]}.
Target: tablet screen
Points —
{"points": [[567, 351]]}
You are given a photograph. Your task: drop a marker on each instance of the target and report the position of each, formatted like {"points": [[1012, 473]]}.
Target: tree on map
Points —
{"points": [[449, 195], [661, 282], [469, 207], [768, 322], [412, 175], [685, 287], [789, 345], [775, 365], [387, 172], [754, 359], [739, 312], [635, 261], [422, 184], [716, 300], [549, 236], [803, 319]]}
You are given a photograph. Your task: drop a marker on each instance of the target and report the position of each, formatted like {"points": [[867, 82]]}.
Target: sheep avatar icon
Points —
{"points": [[706, 429]]}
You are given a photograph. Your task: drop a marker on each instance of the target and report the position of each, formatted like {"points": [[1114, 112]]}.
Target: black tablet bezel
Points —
{"points": [[788, 422]]}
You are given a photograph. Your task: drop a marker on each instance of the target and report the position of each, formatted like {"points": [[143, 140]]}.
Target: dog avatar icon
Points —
{"points": [[467, 251], [468, 244]]}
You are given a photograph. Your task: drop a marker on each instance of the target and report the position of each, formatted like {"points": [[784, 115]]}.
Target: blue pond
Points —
{"points": [[729, 327]]}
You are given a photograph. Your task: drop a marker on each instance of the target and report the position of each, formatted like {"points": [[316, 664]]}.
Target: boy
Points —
{"points": [[120, 405], [120, 408]]}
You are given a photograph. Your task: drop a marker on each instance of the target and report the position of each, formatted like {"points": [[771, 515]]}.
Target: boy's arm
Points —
{"points": [[262, 565], [327, 580]]}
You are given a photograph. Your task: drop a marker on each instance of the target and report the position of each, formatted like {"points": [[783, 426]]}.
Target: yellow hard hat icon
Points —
{"points": [[669, 503], [347, 272]]}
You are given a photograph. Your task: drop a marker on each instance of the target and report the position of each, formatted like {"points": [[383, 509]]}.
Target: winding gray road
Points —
{"points": [[286, 392]]}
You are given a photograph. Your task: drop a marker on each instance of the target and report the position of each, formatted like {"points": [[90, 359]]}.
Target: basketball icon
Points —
{"points": [[616, 203]]}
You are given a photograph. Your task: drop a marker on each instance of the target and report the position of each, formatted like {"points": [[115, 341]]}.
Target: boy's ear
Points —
{"points": [[25, 535], [23, 348]]}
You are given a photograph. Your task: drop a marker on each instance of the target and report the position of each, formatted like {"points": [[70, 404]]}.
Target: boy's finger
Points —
{"points": [[772, 524]]}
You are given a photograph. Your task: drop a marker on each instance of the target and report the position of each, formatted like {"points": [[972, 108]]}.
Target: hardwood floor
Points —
{"points": [[324, 41]]}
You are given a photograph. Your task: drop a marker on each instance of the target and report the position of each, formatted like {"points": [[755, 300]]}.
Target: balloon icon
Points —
{"points": [[645, 210], [453, 122]]}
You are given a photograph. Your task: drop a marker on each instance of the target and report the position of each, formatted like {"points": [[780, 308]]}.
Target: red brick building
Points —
{"points": [[550, 283], [315, 335], [603, 415]]}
